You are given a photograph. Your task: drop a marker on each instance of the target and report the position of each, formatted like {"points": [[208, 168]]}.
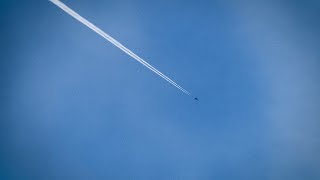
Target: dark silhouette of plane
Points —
{"points": [[196, 99]]}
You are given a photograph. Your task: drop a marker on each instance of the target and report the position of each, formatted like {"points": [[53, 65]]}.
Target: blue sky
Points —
{"points": [[76, 107]]}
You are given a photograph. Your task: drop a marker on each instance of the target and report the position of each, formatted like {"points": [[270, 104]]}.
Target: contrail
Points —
{"points": [[116, 43]]}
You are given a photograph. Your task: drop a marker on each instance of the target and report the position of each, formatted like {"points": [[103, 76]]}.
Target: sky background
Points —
{"points": [[73, 106]]}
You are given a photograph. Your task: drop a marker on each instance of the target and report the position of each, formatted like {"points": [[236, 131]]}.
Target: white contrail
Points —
{"points": [[116, 43]]}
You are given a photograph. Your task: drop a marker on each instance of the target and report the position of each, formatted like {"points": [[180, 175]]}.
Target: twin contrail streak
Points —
{"points": [[116, 43]]}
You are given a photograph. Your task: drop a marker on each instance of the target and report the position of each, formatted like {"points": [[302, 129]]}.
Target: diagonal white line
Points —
{"points": [[116, 43]]}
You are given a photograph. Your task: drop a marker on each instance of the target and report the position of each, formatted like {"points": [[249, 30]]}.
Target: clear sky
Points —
{"points": [[73, 106]]}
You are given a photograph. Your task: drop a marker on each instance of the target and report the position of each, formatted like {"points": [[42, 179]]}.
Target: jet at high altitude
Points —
{"points": [[118, 44]]}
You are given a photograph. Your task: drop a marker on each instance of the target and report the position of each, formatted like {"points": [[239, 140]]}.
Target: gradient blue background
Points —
{"points": [[73, 106]]}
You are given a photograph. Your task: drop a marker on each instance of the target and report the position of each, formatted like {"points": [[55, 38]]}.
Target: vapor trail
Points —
{"points": [[116, 43]]}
